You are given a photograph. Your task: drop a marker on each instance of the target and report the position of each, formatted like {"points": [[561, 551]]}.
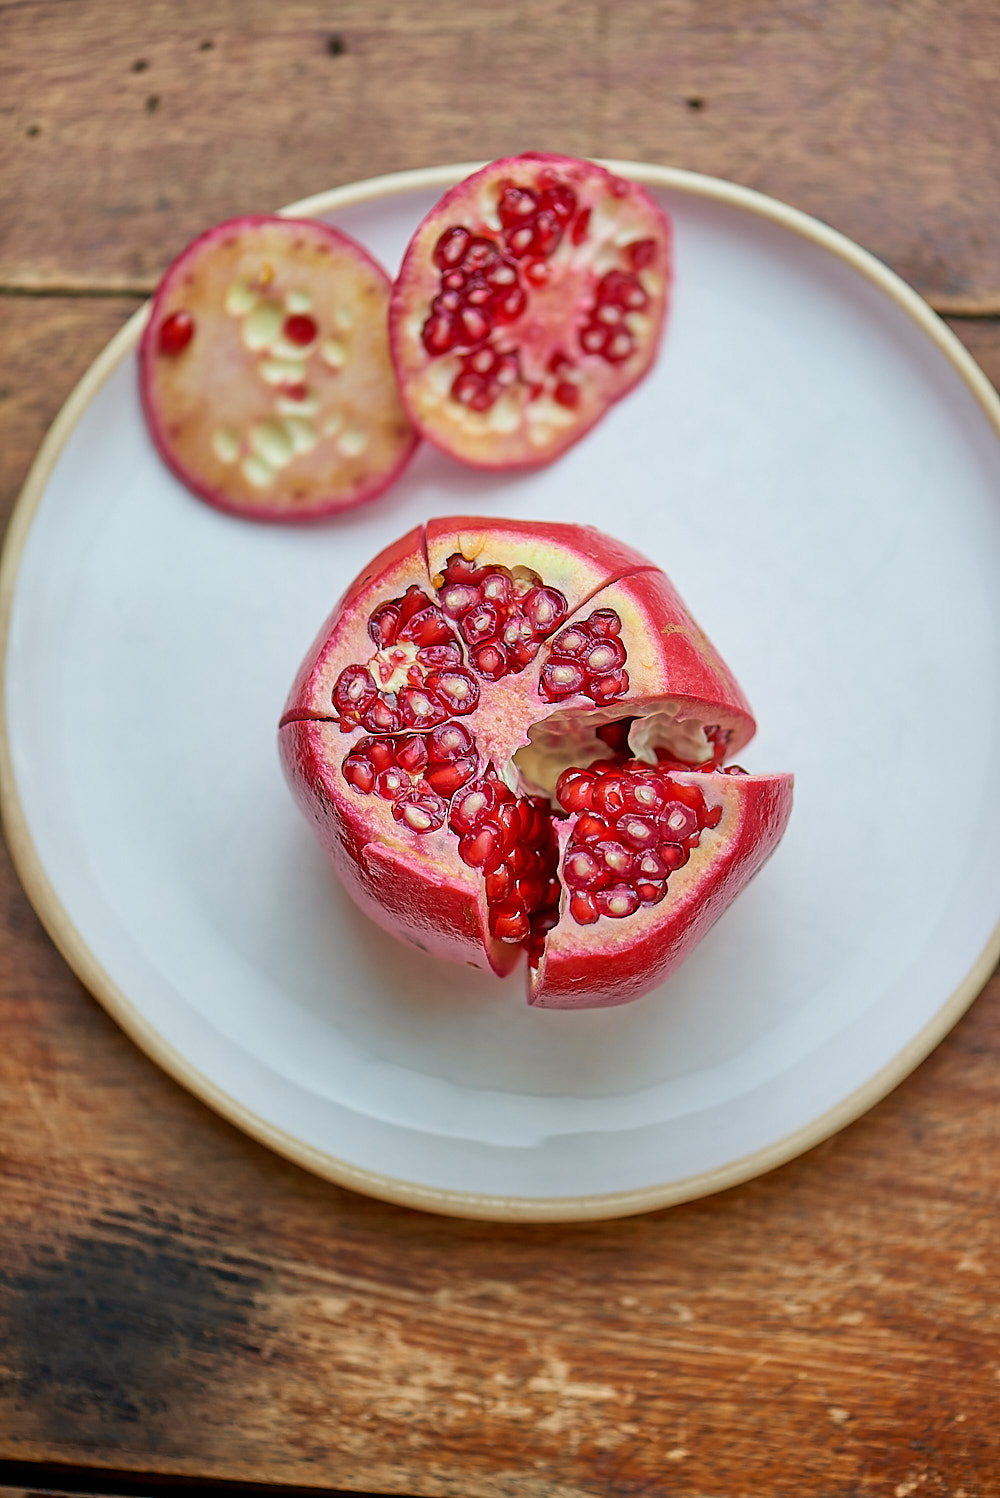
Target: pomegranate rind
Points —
{"points": [[616, 961], [678, 681], [525, 428], [412, 885], [237, 404], [576, 559]]}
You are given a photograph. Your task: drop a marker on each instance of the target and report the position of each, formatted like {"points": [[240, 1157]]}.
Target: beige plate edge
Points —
{"points": [[76, 952]]}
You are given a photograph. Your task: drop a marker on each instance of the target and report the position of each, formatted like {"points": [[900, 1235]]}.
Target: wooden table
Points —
{"points": [[175, 1300]]}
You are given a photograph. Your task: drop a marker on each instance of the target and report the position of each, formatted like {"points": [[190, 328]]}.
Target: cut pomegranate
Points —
{"points": [[558, 787], [531, 298], [265, 372]]}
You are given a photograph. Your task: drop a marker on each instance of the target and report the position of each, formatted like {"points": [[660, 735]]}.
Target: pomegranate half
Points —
{"points": [[530, 298], [265, 373], [511, 739]]}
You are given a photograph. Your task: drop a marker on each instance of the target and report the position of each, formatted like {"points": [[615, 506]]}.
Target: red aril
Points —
{"points": [[483, 813], [265, 372], [531, 298]]}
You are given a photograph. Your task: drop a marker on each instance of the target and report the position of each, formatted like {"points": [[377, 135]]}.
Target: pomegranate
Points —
{"points": [[530, 298], [265, 373], [511, 738]]}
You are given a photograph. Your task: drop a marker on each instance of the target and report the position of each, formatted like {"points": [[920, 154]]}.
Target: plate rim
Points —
{"points": [[74, 949]]}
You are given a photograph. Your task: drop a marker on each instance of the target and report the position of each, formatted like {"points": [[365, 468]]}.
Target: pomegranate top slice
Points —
{"points": [[511, 736], [530, 298], [265, 372]]}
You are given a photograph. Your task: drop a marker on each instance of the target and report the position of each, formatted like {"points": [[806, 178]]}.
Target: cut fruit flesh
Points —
{"points": [[531, 298], [457, 804], [265, 372]]}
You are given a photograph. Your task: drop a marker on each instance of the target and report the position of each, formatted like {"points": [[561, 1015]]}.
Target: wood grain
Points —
{"points": [[142, 125], [175, 1299]]}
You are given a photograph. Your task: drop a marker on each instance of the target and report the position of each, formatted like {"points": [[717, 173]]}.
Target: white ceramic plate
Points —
{"points": [[815, 461]]}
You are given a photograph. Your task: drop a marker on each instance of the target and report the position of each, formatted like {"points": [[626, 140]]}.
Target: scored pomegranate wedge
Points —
{"points": [[265, 372], [530, 298], [511, 738]]}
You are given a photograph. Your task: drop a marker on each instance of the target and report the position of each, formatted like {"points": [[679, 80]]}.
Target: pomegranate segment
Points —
{"points": [[531, 298], [627, 922], [469, 743], [265, 372]]}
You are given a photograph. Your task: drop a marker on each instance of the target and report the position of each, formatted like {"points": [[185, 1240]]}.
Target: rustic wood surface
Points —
{"points": [[173, 1298]]}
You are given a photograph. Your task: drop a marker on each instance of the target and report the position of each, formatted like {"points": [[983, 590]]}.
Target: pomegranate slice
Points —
{"points": [[530, 298], [265, 373], [547, 776]]}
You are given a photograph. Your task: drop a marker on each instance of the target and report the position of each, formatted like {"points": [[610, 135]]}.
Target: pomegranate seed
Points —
{"points": [[560, 679], [482, 849], [427, 627], [300, 329], [572, 642], [491, 661], [651, 891], [359, 774], [609, 795], [498, 589], [516, 204], [383, 625], [439, 656], [641, 832], [602, 689], [412, 754], [474, 805], [605, 622], [382, 716], [438, 335], [176, 332], [580, 227], [420, 708], [459, 569], [479, 624], [678, 823], [673, 855], [448, 778], [590, 827], [392, 783], [618, 901], [583, 870], [509, 920], [499, 884], [449, 741], [421, 811], [607, 655], [451, 248], [616, 857], [641, 253], [455, 598], [583, 908], [381, 752], [354, 691], [645, 795], [567, 394], [545, 609], [652, 865], [522, 655], [458, 690], [574, 790], [714, 817]]}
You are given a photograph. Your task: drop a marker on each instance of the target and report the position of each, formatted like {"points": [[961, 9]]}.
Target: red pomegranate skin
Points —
{"points": [[558, 388], [413, 882]]}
